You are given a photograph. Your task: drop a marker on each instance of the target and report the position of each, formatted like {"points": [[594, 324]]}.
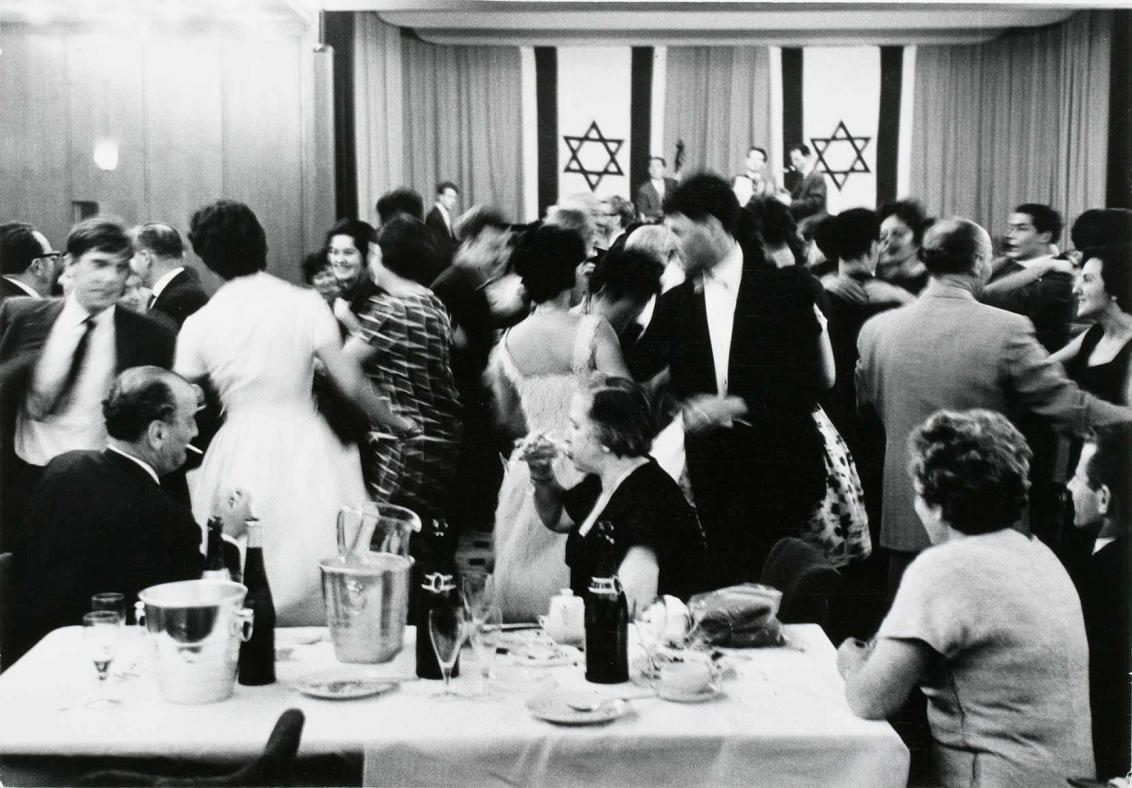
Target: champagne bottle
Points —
{"points": [[257, 655], [438, 589], [607, 632], [214, 566]]}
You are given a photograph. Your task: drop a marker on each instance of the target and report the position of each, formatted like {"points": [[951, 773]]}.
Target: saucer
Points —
{"points": [[342, 685], [555, 707], [678, 696]]}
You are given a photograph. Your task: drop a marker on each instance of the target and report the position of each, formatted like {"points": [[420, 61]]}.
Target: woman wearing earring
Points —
{"points": [[626, 517]]}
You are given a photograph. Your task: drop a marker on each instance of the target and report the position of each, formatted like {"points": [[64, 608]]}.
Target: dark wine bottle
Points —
{"points": [[214, 566], [607, 632], [257, 655], [437, 590]]}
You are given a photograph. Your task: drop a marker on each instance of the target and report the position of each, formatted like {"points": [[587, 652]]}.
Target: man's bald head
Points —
{"points": [[151, 411], [956, 247]]}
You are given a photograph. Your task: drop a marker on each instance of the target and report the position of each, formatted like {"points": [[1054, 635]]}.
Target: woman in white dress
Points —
{"points": [[256, 341], [535, 370]]}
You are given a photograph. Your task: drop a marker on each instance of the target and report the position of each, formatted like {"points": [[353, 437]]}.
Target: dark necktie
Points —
{"points": [[73, 371]]}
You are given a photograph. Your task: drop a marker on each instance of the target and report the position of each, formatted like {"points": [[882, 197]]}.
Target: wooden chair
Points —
{"points": [[274, 767], [806, 579]]}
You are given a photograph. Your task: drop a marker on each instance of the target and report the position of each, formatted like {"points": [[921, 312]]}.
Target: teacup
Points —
{"points": [[565, 622], [691, 677]]}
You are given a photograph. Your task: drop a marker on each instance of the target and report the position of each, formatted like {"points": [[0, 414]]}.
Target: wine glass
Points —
{"points": [[650, 616], [485, 638], [100, 632], [111, 601], [476, 590], [447, 628]]}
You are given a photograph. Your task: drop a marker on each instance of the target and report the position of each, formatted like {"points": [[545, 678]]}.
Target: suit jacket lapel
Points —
{"points": [[125, 341]]}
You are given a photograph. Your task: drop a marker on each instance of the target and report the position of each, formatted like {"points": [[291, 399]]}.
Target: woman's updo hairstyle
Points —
{"points": [[546, 258], [1116, 271], [228, 237], [622, 415]]}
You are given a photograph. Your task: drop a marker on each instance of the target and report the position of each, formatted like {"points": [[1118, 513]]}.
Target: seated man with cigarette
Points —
{"points": [[100, 521]]}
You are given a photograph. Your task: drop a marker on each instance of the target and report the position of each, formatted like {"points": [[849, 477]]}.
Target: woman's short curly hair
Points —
{"points": [[973, 465], [546, 258], [228, 237], [622, 415]]}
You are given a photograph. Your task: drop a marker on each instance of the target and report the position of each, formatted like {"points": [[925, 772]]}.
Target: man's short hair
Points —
{"points": [[1044, 219], [624, 210], [951, 246], [760, 150], [1111, 465], [400, 200], [99, 234], [663, 163], [478, 218], [705, 194], [854, 233], [138, 397], [444, 186], [18, 247], [801, 147], [576, 219], [161, 239]]}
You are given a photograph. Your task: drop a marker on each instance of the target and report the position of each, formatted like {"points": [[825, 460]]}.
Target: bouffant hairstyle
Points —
{"points": [[407, 250], [228, 237], [951, 246], [545, 259], [705, 194], [973, 465], [18, 247], [1044, 219], [627, 273], [138, 397], [1116, 271], [1111, 466], [99, 234], [1102, 227], [621, 414], [911, 213], [361, 232]]}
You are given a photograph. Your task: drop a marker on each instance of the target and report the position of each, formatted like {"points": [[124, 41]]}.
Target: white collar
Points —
{"points": [[443, 211], [728, 272], [31, 291], [1034, 260], [1100, 543], [164, 281], [75, 313], [145, 465]]}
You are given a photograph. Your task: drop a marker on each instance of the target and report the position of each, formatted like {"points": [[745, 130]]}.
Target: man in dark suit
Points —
{"points": [[1102, 510], [100, 521], [651, 194], [28, 265], [159, 261], [441, 221], [739, 342], [808, 196], [58, 358]]}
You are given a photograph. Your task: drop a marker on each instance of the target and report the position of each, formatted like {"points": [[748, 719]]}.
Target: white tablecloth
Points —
{"points": [[782, 721]]}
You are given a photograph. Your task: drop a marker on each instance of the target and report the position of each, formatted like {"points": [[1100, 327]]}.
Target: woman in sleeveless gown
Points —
{"points": [[256, 341], [535, 370]]}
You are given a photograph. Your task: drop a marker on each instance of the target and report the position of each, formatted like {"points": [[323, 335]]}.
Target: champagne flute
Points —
{"points": [[100, 632], [485, 639], [447, 628], [476, 591], [650, 616]]}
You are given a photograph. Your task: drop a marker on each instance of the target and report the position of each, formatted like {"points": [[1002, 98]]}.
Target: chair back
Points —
{"points": [[806, 579]]}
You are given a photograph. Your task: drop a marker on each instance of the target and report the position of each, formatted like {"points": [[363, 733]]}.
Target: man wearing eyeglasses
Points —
{"points": [[27, 263]]}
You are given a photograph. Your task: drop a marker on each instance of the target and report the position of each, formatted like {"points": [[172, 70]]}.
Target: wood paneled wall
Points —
{"points": [[198, 114]]}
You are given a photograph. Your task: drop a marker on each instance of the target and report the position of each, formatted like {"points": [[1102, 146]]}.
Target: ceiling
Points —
{"points": [[557, 22]]}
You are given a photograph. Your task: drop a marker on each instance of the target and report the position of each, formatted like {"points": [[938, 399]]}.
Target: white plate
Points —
{"points": [[666, 693], [542, 655], [555, 707], [342, 685]]}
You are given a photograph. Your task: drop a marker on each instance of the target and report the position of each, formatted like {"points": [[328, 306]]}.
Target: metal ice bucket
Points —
{"points": [[367, 602], [196, 627]]}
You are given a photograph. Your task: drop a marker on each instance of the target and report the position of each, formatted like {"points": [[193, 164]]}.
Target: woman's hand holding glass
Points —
{"points": [[539, 450]]}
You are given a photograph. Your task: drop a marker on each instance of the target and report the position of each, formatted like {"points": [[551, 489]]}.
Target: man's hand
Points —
{"points": [[708, 412], [851, 655], [847, 289]]}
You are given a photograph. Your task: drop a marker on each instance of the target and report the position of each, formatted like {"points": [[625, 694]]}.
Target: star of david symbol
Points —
{"points": [[593, 135], [847, 150]]}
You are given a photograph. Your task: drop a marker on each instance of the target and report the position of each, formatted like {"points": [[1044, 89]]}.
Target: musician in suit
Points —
{"points": [[947, 351], [100, 521], [159, 261], [743, 349], [58, 358], [808, 196], [651, 194], [28, 264], [441, 221]]}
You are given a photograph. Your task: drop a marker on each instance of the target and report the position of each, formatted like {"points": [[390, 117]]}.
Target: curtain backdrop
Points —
{"points": [[717, 99], [378, 117], [1020, 119], [462, 108]]}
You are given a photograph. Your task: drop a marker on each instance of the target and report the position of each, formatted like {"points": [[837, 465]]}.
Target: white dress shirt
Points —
{"points": [[658, 184], [163, 282], [721, 289], [31, 291], [145, 466], [447, 219], [79, 425]]}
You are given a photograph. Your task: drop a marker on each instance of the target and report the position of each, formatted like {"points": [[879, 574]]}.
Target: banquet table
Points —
{"points": [[781, 719]]}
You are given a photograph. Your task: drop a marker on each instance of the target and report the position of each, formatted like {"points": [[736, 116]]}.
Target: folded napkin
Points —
{"points": [[743, 615]]}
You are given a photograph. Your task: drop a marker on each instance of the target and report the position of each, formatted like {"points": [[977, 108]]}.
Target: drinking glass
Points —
{"points": [[650, 616], [111, 601], [485, 639], [447, 628], [476, 590], [100, 633]]}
